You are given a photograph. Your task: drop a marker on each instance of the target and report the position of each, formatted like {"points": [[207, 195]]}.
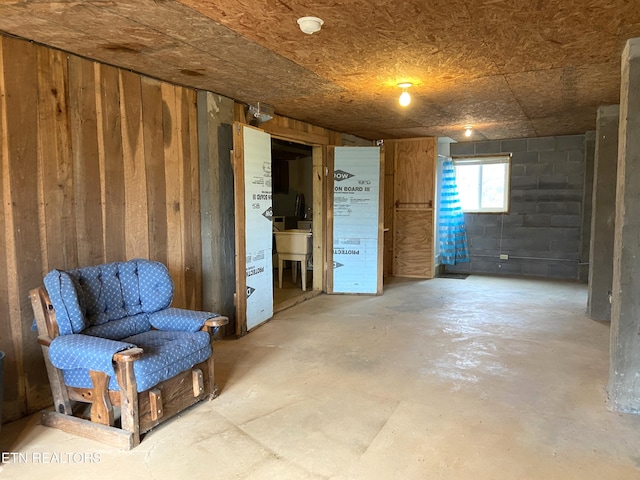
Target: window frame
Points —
{"points": [[490, 159]]}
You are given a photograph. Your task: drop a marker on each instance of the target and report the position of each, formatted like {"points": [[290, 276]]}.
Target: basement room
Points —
{"points": [[294, 239]]}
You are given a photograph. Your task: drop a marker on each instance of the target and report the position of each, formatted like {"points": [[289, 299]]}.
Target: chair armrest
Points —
{"points": [[216, 322], [212, 325], [178, 319], [130, 355], [75, 351]]}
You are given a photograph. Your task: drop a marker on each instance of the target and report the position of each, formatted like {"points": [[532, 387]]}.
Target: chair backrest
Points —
{"points": [[92, 296]]}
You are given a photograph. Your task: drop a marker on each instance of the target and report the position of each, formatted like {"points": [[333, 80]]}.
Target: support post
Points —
{"points": [[603, 212], [624, 373], [129, 414]]}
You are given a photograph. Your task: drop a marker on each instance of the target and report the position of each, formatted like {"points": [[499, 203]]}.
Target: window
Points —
{"points": [[483, 183]]}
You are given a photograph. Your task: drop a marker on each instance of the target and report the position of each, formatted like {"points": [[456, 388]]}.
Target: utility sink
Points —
{"points": [[294, 241], [296, 246]]}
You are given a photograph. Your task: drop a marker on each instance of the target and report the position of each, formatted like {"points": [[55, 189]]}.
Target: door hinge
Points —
{"points": [[326, 171]]}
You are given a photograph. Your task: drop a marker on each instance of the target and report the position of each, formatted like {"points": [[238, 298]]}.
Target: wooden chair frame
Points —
{"points": [[139, 412]]}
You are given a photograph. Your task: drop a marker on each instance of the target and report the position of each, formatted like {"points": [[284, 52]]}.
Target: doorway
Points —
{"points": [[292, 203], [254, 219]]}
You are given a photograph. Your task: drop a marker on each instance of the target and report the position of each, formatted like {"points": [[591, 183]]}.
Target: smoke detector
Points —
{"points": [[310, 25]]}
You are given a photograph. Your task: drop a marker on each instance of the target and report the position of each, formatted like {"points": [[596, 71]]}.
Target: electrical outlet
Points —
{"points": [[504, 256]]}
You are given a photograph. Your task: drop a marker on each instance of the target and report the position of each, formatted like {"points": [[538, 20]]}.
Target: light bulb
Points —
{"points": [[405, 98], [467, 132]]}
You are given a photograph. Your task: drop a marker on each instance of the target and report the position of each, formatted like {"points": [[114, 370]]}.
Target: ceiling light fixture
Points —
{"points": [[405, 98], [310, 25], [467, 131], [259, 113]]}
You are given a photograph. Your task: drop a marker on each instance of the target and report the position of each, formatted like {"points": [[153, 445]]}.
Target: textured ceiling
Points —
{"points": [[509, 68]]}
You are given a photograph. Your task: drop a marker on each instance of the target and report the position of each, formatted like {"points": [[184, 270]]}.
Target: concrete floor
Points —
{"points": [[482, 378], [291, 293]]}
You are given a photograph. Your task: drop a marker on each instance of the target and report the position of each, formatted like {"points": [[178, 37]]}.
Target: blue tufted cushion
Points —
{"points": [[121, 328], [119, 289], [96, 295], [69, 352], [156, 286], [165, 355], [69, 307], [180, 319], [130, 285], [102, 292]]}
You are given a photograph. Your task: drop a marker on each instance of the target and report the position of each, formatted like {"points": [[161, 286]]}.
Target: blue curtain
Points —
{"points": [[453, 236]]}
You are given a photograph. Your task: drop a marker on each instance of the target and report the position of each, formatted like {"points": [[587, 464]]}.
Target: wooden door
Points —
{"points": [[413, 215]]}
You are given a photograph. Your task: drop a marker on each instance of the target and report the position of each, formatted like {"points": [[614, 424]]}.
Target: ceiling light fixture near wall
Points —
{"points": [[405, 98], [259, 113], [310, 25], [467, 131]]}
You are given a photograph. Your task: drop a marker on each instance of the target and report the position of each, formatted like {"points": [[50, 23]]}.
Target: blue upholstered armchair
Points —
{"points": [[110, 338]]}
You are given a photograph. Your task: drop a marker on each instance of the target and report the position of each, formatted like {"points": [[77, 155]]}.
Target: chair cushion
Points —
{"points": [[165, 355], [156, 286], [77, 351], [121, 328], [180, 319], [120, 289], [69, 307], [96, 295]]}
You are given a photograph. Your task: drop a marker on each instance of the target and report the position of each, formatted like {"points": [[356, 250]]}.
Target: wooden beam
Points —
{"points": [[111, 157], [331, 154], [173, 175], [135, 178], [55, 179], [94, 431], [241, 248], [288, 133], [215, 139], [40, 306], [129, 416], [319, 181], [86, 163], [23, 244], [193, 240], [190, 211], [152, 125]]}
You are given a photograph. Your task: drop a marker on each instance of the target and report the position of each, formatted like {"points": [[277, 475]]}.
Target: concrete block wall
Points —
{"points": [[542, 231]]}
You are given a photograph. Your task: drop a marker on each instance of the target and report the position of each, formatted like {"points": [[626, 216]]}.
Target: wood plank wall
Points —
{"points": [[98, 165]]}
